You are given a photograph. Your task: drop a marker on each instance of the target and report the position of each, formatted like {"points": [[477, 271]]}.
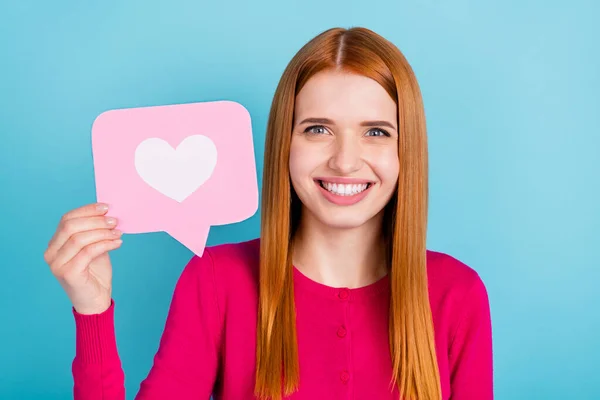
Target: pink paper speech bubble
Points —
{"points": [[176, 168]]}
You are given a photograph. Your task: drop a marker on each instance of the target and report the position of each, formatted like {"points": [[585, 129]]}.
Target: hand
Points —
{"points": [[78, 257]]}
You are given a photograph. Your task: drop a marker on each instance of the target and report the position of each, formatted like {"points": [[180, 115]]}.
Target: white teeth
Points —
{"points": [[344, 190]]}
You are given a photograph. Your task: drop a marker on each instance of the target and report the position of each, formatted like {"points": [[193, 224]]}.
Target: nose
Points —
{"points": [[346, 155]]}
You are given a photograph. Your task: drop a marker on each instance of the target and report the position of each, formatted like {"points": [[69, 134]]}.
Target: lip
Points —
{"points": [[342, 180], [344, 200]]}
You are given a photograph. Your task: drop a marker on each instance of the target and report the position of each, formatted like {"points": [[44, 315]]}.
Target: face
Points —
{"points": [[344, 150]]}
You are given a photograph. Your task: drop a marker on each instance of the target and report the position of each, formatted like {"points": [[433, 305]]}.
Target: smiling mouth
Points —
{"points": [[341, 189]]}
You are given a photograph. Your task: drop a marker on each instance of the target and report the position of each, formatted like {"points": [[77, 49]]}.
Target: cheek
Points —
{"points": [[295, 162], [299, 162], [304, 159], [386, 165]]}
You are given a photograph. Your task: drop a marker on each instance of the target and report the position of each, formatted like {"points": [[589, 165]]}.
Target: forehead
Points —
{"points": [[344, 96]]}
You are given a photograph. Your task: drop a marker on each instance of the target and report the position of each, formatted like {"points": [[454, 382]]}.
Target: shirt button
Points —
{"points": [[344, 376], [341, 332], [343, 294]]}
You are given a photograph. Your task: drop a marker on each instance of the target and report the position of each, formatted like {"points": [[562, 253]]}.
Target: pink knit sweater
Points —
{"points": [[208, 344]]}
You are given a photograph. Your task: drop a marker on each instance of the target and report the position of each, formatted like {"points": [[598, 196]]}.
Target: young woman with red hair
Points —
{"points": [[339, 298]]}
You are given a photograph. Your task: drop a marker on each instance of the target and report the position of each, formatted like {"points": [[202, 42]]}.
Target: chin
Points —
{"points": [[342, 222], [345, 218]]}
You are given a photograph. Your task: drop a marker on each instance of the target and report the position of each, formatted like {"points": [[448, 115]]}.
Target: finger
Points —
{"points": [[80, 240], [88, 210], [80, 262], [72, 226]]}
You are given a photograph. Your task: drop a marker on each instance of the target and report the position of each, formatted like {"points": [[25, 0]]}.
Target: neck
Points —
{"points": [[340, 257]]}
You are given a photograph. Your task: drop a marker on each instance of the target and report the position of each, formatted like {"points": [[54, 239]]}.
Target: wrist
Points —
{"points": [[94, 309]]}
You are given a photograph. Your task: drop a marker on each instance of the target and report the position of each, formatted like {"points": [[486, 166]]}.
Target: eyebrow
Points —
{"points": [[330, 122]]}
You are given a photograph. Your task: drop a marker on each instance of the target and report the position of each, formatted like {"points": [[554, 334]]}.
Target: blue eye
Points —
{"points": [[315, 130], [321, 130], [378, 132]]}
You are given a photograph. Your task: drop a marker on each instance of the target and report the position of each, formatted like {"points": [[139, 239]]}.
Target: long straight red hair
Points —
{"points": [[411, 336]]}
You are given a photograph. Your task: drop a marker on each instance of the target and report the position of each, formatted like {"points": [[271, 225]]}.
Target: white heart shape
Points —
{"points": [[176, 173]]}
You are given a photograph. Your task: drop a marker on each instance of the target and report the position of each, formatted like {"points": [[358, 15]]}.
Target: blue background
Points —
{"points": [[511, 94]]}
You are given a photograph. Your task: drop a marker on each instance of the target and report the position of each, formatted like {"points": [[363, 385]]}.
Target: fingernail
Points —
{"points": [[102, 207], [111, 221], [118, 241], [116, 232]]}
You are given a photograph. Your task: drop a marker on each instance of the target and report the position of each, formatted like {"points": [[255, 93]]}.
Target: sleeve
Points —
{"points": [[470, 355], [186, 363], [96, 368]]}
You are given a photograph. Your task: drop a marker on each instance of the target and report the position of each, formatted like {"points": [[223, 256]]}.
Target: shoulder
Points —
{"points": [[228, 258], [230, 269], [236, 259], [463, 325], [456, 290], [210, 283], [446, 272]]}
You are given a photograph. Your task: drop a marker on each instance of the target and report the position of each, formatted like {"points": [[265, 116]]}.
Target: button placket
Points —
{"points": [[343, 294], [344, 376]]}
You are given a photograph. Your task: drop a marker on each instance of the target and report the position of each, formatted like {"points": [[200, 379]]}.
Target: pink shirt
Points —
{"points": [[208, 344]]}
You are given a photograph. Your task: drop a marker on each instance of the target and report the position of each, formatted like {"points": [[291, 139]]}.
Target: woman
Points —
{"points": [[339, 297]]}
